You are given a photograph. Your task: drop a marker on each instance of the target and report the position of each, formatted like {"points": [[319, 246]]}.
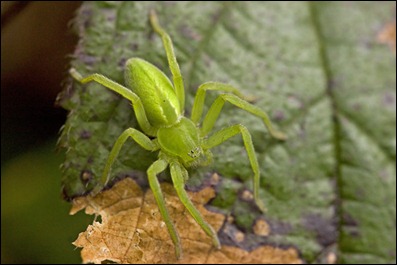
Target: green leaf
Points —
{"points": [[320, 72]]}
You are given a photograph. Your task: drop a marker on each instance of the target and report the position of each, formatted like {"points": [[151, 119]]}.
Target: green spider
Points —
{"points": [[180, 142]]}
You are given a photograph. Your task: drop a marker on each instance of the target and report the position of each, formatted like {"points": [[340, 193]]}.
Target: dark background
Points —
{"points": [[36, 42]]}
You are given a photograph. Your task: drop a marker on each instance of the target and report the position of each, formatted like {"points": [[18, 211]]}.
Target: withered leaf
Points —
{"points": [[132, 230], [388, 35]]}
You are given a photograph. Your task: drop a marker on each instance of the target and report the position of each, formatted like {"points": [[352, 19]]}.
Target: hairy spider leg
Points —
{"points": [[198, 104], [223, 135], [141, 139], [216, 107], [178, 175], [226, 133], [156, 168], [125, 93], [172, 62]]}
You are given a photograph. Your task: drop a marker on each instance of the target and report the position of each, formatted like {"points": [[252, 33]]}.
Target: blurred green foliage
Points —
{"points": [[35, 224]]}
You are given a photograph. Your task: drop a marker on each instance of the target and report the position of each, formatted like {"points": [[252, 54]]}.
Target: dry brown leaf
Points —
{"points": [[388, 35], [261, 228], [132, 230]]}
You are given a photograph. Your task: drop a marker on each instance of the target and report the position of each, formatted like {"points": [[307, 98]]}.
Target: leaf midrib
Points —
{"points": [[335, 119]]}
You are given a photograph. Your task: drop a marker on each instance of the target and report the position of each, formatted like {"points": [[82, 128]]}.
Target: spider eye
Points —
{"points": [[195, 152]]}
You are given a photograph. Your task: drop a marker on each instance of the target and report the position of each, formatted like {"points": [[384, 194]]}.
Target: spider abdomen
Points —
{"points": [[155, 91]]}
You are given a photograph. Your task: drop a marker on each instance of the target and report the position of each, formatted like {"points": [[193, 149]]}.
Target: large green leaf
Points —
{"points": [[316, 68]]}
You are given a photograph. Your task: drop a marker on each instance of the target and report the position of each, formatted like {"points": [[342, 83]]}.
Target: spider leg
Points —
{"points": [[172, 62], [138, 137], [216, 108], [124, 92], [224, 134], [178, 175], [198, 104], [156, 168]]}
